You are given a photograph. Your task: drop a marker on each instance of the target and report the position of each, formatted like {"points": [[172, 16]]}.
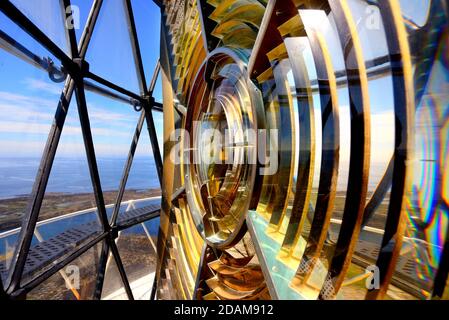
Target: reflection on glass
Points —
{"points": [[297, 213], [113, 124], [427, 218], [142, 187], [152, 227], [76, 281], [28, 101], [48, 16], [138, 253], [318, 72], [145, 11], [375, 54], [110, 52], [68, 216], [113, 288]]}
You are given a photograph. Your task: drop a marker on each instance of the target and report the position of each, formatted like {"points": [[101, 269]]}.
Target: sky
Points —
{"points": [[28, 98]]}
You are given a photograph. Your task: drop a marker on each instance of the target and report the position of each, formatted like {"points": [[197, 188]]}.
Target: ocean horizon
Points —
{"points": [[71, 175]]}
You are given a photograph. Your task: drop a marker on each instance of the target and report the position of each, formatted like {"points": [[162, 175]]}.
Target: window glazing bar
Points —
{"points": [[101, 270], [154, 142], [58, 266], [89, 86], [138, 220], [91, 158], [69, 31], [442, 276], [127, 168], [75, 81], [38, 192], [15, 48], [157, 69], [29, 27], [404, 108], [20, 51], [132, 151], [113, 86], [135, 47], [121, 270], [158, 106], [82, 249]]}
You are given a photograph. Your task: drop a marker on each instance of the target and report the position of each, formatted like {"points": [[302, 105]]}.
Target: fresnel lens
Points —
{"points": [[312, 149]]}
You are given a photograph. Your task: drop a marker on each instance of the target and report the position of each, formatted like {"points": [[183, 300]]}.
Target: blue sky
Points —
{"points": [[28, 98]]}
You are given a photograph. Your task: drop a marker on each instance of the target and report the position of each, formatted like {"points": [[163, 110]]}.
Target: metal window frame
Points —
{"points": [[77, 70]]}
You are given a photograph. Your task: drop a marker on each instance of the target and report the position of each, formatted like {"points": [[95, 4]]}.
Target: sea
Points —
{"points": [[71, 175]]}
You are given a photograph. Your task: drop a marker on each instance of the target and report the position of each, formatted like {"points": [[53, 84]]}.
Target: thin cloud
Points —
{"points": [[19, 100], [24, 148], [37, 84]]}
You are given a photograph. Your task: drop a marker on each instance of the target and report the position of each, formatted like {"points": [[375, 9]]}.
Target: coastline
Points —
{"points": [[57, 204]]}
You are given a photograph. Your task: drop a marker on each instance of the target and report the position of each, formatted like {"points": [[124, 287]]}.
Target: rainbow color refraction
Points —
{"points": [[305, 150]]}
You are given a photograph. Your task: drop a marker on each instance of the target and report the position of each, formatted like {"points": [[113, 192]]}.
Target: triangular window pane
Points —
{"points": [[80, 12], [28, 101], [76, 281], [113, 125], [148, 25], [110, 53], [47, 16], [138, 253], [68, 216], [113, 288], [143, 188]]}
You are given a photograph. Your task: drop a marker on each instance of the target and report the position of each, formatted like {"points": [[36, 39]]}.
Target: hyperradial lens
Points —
{"points": [[220, 150], [314, 154]]}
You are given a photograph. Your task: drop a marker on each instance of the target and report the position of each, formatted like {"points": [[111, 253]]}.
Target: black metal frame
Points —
{"points": [[75, 70]]}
